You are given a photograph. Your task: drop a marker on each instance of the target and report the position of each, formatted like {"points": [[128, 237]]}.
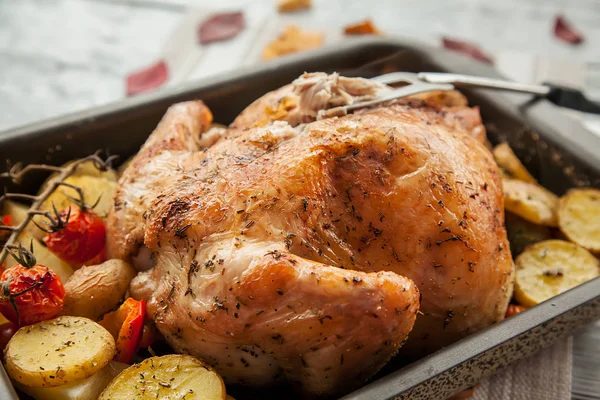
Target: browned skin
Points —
{"points": [[283, 253]]}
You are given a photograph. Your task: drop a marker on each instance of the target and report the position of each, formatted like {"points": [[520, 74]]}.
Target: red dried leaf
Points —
{"points": [[565, 31], [147, 79], [221, 27], [468, 49]]}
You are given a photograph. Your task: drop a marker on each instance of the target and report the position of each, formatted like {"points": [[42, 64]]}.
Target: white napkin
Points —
{"points": [[545, 375]]}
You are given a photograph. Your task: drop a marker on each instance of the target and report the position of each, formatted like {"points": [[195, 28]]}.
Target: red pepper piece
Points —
{"points": [[565, 31], [468, 49], [126, 325], [147, 79]]}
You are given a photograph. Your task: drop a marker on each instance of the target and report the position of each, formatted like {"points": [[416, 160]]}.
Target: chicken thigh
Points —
{"points": [[290, 248]]}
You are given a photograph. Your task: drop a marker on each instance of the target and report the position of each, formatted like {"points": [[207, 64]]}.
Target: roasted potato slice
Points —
{"points": [[579, 217], [510, 164], [549, 268], [531, 202], [18, 212], [522, 233], [58, 352], [85, 169], [85, 389], [93, 187], [172, 376], [94, 290]]}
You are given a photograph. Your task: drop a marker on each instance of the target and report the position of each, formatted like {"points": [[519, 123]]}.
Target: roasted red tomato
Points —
{"points": [[30, 292], [79, 237]]}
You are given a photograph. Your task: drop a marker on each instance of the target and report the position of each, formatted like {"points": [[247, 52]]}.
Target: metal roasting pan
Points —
{"points": [[554, 147]]}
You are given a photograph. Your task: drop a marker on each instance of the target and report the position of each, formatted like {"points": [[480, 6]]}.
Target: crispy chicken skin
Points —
{"points": [[299, 250]]}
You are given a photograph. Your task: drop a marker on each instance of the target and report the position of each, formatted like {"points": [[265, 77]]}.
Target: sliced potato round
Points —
{"points": [[551, 267], [18, 212], [522, 233], [94, 188], [85, 169], [531, 202], [85, 389], [579, 217], [508, 161], [174, 376], [57, 352], [89, 169]]}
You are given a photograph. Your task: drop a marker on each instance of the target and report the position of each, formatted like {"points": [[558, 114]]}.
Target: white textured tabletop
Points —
{"points": [[59, 56]]}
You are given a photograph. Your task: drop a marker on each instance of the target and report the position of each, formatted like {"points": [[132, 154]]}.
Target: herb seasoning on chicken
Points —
{"points": [[298, 248]]}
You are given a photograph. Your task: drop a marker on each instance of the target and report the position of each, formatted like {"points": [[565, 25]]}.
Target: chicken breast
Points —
{"points": [[299, 250]]}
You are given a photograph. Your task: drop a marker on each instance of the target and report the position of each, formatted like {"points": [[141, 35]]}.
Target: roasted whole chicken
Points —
{"points": [[294, 247]]}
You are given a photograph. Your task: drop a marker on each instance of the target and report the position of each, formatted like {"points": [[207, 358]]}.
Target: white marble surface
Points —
{"points": [[59, 56]]}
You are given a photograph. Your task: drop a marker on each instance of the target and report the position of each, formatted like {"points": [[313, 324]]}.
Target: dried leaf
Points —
{"points": [[365, 27], [292, 40], [565, 31], [221, 27], [147, 79], [468, 49], [293, 5]]}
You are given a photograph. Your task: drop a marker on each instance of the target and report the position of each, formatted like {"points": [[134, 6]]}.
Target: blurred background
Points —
{"points": [[60, 56]]}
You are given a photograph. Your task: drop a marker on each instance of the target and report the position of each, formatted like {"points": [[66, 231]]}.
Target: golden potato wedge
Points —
{"points": [[85, 389], [579, 217], [551, 267], [44, 257], [85, 169], [94, 290], [18, 212], [531, 202], [57, 352], [93, 188], [88, 169], [174, 376], [522, 233], [510, 164]]}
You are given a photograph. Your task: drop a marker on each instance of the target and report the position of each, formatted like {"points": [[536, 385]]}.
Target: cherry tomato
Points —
{"points": [[514, 309], [80, 238], [7, 330], [30, 293]]}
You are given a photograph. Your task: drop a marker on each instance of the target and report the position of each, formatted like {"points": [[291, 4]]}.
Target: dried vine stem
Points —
{"points": [[16, 174]]}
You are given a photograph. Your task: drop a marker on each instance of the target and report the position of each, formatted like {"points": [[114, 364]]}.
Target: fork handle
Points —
{"points": [[574, 99], [476, 81]]}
